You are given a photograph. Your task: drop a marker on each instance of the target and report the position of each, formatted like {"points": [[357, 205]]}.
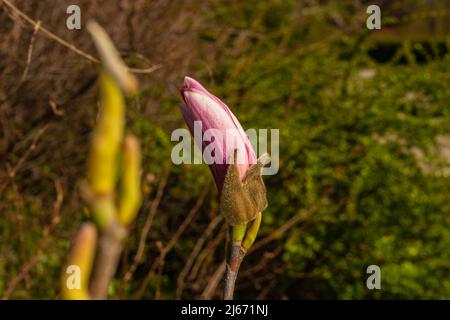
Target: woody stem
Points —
{"points": [[234, 260]]}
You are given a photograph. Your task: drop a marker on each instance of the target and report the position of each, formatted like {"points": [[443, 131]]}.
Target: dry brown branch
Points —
{"points": [[36, 25], [48, 33], [194, 254], [301, 216], [206, 253], [30, 50], [158, 264], [13, 171], [146, 228], [261, 265], [213, 282], [186, 221], [54, 107], [145, 70], [258, 283], [19, 164], [266, 290]]}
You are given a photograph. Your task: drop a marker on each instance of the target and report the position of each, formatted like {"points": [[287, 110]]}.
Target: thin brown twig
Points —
{"points": [[257, 282], [266, 290], [54, 107], [27, 153], [194, 254], [48, 33], [30, 50], [299, 217], [51, 35], [266, 257], [186, 221], [159, 263], [145, 70], [13, 171], [146, 229], [207, 252], [214, 282]]}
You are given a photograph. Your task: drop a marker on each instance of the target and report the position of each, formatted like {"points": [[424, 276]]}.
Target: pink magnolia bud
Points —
{"points": [[228, 134]]}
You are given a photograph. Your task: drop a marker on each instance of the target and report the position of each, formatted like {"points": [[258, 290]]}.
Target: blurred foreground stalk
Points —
{"points": [[113, 160]]}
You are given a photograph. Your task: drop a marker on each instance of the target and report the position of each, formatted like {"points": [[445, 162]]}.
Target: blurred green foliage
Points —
{"points": [[348, 130]]}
